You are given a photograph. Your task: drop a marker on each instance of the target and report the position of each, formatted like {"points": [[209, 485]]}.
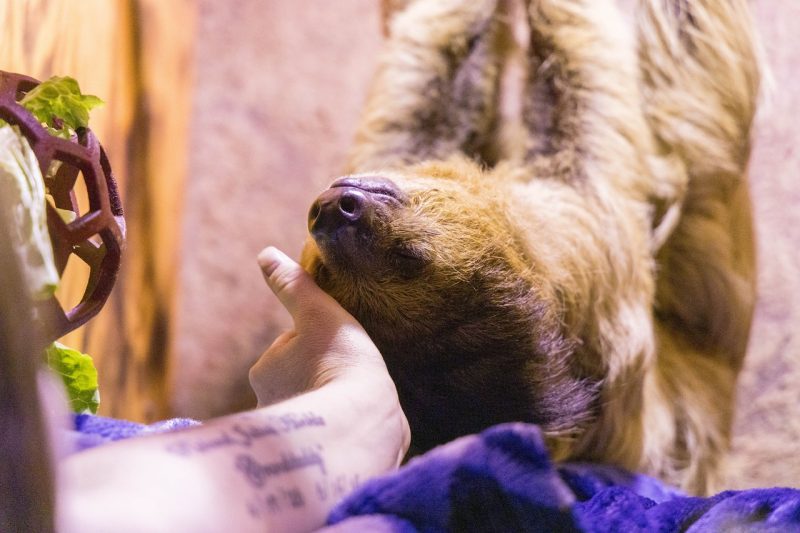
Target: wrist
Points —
{"points": [[372, 396]]}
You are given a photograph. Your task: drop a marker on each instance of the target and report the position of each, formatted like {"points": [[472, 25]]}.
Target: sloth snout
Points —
{"points": [[372, 185], [338, 207], [351, 204], [352, 201]]}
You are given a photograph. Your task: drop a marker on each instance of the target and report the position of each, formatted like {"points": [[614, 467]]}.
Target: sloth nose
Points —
{"points": [[352, 201], [372, 185], [337, 207], [351, 204]]}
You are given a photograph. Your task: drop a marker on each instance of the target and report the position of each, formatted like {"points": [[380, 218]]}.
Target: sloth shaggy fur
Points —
{"points": [[584, 263]]}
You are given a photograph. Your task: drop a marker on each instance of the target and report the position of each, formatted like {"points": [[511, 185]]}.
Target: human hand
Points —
{"points": [[326, 343]]}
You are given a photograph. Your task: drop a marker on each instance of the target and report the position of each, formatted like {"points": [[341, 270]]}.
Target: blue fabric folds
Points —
{"points": [[91, 430], [503, 480]]}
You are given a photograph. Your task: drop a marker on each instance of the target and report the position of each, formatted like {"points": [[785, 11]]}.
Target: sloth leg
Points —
{"points": [[701, 71], [701, 74], [435, 88], [583, 106]]}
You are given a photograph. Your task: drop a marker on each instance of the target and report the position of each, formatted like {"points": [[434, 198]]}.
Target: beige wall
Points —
{"points": [[767, 431], [279, 85]]}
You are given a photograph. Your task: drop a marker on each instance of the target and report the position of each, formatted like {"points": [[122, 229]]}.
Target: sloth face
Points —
{"points": [[418, 251], [431, 265]]}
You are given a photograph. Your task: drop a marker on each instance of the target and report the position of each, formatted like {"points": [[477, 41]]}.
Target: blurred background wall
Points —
{"points": [[224, 120], [766, 441], [279, 85]]}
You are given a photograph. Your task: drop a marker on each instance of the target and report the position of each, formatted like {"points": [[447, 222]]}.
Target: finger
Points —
{"points": [[269, 354], [281, 341], [291, 284]]}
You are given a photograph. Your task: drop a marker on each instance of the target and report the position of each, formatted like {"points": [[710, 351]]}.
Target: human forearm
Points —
{"points": [[277, 468]]}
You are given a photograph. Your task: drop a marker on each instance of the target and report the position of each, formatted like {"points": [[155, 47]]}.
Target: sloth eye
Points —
{"points": [[408, 262]]}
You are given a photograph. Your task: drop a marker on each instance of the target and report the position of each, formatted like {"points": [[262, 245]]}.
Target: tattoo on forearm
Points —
{"points": [[275, 501], [244, 434], [257, 473], [278, 498], [272, 493]]}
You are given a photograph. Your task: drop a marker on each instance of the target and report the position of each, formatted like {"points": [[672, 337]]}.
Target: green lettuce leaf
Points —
{"points": [[22, 186], [79, 375], [59, 104]]}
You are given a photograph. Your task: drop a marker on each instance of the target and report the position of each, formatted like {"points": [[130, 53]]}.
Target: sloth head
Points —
{"points": [[430, 262]]}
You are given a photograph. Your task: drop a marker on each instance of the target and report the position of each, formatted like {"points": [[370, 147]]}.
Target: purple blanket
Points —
{"points": [[91, 430], [503, 480]]}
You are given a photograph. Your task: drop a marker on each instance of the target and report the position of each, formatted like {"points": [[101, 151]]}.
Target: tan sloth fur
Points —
{"points": [[584, 263]]}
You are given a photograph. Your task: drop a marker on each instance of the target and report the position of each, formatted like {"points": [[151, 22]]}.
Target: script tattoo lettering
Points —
{"points": [[244, 434], [294, 421], [257, 473], [275, 501]]}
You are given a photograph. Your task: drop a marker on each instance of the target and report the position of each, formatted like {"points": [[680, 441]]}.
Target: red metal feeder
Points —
{"points": [[97, 236]]}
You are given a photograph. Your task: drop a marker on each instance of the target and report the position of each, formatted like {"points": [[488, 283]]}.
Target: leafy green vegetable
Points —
{"points": [[21, 182], [59, 104], [79, 375]]}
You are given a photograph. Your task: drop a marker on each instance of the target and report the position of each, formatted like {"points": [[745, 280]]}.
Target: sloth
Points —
{"points": [[585, 262]]}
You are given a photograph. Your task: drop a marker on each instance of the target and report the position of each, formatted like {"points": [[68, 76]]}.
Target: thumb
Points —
{"points": [[289, 282]]}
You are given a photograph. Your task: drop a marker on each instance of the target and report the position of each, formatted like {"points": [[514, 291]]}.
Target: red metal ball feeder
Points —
{"points": [[97, 236]]}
